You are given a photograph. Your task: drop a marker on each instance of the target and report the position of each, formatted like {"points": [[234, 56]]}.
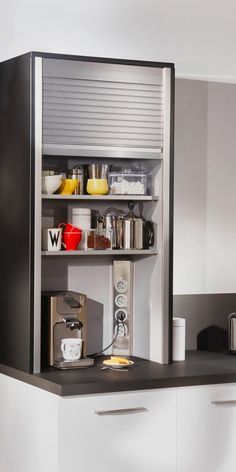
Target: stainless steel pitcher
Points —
{"points": [[98, 171], [113, 219]]}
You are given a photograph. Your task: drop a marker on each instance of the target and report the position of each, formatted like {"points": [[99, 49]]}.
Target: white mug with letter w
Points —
{"points": [[52, 239], [71, 348]]}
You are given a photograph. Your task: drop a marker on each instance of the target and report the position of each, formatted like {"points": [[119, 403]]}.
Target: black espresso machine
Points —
{"points": [[64, 316]]}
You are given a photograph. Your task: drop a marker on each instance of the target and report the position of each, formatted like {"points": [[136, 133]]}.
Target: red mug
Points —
{"points": [[70, 240], [68, 228]]}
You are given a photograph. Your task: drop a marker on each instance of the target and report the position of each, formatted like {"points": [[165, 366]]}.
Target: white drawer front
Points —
{"points": [[128, 432], [206, 428]]}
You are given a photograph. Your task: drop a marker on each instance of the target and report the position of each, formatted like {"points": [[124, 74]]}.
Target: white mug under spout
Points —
{"points": [[71, 348]]}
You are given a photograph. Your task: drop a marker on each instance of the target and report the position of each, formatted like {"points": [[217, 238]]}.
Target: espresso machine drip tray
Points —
{"points": [[83, 362]]}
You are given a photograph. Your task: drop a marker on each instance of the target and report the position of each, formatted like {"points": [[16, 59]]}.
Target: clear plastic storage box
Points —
{"points": [[127, 183], [98, 239]]}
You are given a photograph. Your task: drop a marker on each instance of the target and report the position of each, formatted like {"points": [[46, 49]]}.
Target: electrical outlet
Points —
{"points": [[122, 286], [122, 330], [121, 300], [120, 315]]}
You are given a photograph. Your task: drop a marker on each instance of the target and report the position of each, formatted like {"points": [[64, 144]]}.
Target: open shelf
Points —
{"points": [[107, 252], [141, 198]]}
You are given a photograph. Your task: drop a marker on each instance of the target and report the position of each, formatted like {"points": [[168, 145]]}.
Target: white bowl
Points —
{"points": [[51, 183]]}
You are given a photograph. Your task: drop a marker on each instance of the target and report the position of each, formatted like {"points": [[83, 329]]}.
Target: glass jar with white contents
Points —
{"points": [[127, 182]]}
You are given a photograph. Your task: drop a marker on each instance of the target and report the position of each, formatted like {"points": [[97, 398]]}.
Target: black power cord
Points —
{"points": [[111, 344]]}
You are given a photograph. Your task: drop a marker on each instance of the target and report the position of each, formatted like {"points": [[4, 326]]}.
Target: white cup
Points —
{"points": [[52, 239], [71, 348]]}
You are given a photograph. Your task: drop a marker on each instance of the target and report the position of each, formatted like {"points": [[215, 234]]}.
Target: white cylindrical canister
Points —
{"points": [[179, 330], [81, 217]]}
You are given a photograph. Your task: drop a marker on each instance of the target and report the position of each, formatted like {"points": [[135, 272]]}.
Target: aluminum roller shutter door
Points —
{"points": [[102, 108]]}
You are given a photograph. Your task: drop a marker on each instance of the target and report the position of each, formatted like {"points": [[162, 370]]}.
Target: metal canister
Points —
{"points": [[119, 232], [138, 233], [128, 227], [113, 219], [77, 173], [128, 233]]}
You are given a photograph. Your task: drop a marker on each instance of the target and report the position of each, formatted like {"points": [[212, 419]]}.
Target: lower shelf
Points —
{"points": [[107, 252]]}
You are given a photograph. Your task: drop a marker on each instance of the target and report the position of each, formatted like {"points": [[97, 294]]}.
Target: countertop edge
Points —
{"points": [[113, 386], [200, 368], [92, 389]]}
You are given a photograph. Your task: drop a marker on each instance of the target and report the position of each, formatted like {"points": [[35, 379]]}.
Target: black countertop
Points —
{"points": [[199, 368]]}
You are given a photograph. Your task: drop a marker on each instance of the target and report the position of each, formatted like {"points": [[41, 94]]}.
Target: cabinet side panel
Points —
{"points": [[28, 428], [15, 213]]}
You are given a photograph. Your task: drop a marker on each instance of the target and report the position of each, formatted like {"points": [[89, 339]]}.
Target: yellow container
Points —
{"points": [[97, 186], [68, 186]]}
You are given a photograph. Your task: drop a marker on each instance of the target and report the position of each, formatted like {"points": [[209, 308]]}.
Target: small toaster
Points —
{"points": [[232, 332]]}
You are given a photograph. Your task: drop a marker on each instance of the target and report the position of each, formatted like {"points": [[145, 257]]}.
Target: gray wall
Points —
{"points": [[190, 186], [204, 205], [204, 199], [221, 191], [202, 311]]}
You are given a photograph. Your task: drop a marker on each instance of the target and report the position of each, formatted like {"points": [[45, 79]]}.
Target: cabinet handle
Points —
{"points": [[122, 411], [224, 402]]}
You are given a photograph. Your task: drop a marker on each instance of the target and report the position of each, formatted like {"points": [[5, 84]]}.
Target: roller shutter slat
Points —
{"points": [[71, 92], [94, 97], [99, 128], [108, 86], [53, 115], [99, 134], [101, 109], [68, 123], [105, 141], [102, 71]]}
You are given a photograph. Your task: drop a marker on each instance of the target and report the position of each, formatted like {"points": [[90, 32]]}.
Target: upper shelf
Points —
{"points": [[140, 198]]}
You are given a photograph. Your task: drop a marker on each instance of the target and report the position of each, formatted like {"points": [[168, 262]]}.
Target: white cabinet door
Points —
{"points": [[128, 432], [206, 429]]}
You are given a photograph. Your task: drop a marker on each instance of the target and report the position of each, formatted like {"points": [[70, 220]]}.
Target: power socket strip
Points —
{"points": [[123, 307]]}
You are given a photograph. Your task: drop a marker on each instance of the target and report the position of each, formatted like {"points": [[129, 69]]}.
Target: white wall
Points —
{"points": [[199, 36]]}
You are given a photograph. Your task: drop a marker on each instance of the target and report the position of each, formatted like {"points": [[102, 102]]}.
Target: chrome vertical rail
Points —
{"points": [[166, 214], [37, 217]]}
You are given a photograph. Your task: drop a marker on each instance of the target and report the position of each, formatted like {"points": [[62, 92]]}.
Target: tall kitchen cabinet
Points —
{"points": [[58, 111]]}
